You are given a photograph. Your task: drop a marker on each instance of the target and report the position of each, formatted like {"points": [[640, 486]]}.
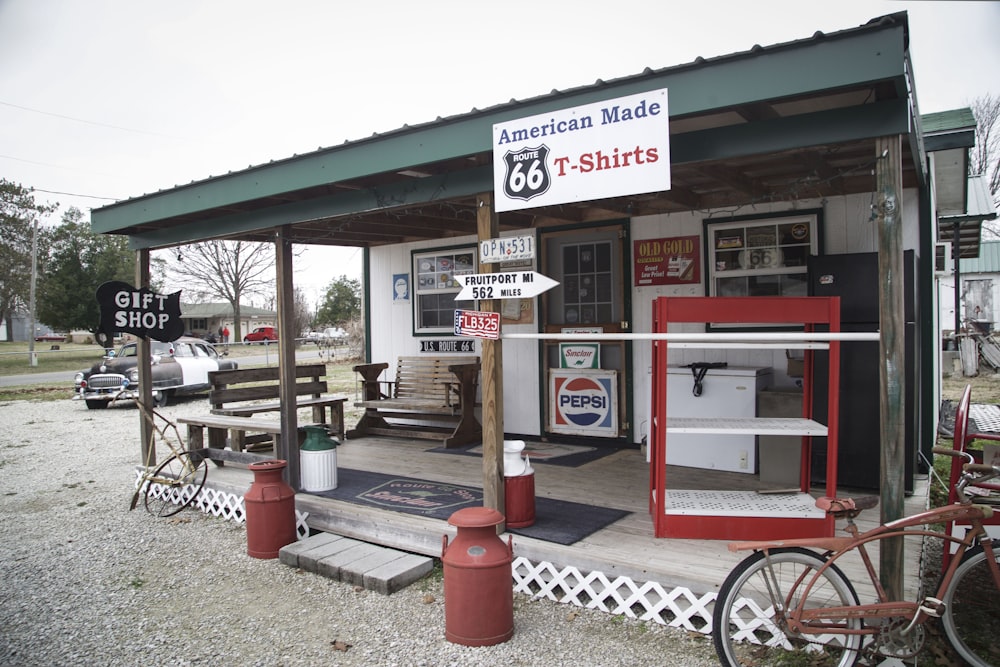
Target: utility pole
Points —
{"points": [[32, 357]]}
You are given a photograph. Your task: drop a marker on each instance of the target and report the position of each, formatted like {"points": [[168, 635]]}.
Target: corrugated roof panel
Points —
{"points": [[987, 262], [948, 121]]}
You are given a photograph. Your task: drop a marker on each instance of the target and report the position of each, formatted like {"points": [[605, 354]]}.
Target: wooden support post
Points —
{"points": [[889, 182], [493, 479], [288, 449], [144, 365]]}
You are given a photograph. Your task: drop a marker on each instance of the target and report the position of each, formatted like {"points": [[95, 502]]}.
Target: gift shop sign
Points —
{"points": [[667, 261], [607, 149], [140, 311]]}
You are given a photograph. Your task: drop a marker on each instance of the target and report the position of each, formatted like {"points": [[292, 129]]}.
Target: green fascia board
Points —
{"points": [[841, 60], [405, 192], [944, 142]]}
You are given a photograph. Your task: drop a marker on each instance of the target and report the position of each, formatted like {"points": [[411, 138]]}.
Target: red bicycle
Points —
{"points": [[791, 596]]}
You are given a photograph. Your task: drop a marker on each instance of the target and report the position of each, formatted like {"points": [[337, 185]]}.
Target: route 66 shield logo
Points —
{"points": [[527, 173]]}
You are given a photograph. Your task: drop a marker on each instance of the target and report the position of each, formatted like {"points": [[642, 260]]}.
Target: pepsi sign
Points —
{"points": [[584, 404]]}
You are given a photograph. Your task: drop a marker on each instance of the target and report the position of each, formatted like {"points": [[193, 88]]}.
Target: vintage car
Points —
{"points": [[180, 367], [261, 335]]}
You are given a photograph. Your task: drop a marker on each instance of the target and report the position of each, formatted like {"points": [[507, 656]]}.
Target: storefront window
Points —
{"points": [[435, 288], [761, 256]]}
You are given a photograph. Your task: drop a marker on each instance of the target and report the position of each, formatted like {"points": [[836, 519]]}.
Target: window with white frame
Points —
{"points": [[435, 288], [761, 256]]}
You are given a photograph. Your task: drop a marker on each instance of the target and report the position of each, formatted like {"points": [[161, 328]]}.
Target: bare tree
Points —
{"points": [[228, 270], [985, 158], [303, 314]]}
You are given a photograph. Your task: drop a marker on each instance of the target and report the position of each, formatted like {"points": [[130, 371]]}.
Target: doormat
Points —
{"points": [[558, 521], [571, 456]]}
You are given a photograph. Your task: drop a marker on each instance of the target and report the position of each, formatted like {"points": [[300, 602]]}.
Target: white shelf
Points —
{"points": [[745, 426], [742, 504]]}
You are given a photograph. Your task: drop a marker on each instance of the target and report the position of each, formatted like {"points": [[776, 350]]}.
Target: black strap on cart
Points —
{"points": [[698, 370]]}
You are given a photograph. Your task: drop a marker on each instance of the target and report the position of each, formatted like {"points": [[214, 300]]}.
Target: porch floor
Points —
{"points": [[620, 480]]}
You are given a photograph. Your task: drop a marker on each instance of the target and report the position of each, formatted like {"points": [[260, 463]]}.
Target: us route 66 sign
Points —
{"points": [[527, 173]]}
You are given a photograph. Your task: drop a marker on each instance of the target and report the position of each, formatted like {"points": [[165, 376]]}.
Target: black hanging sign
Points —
{"points": [[140, 311]]}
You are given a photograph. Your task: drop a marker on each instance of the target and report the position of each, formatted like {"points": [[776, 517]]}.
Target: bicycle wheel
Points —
{"points": [[175, 484], [746, 629], [972, 609]]}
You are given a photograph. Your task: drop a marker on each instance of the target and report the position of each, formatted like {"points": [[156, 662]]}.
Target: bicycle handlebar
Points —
{"points": [[972, 473]]}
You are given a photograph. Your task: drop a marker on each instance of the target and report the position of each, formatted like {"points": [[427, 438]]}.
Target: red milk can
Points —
{"points": [[519, 500], [270, 510], [478, 584]]}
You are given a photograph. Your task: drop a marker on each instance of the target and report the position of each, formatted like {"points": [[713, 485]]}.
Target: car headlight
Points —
{"points": [[78, 378], [133, 375]]}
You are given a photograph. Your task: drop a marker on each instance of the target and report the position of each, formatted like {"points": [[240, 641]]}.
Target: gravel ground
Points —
{"points": [[88, 582]]}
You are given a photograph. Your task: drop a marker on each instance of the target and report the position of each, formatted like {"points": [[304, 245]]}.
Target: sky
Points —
{"points": [[105, 100]]}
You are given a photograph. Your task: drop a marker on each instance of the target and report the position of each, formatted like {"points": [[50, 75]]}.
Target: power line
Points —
{"points": [[73, 194], [90, 122]]}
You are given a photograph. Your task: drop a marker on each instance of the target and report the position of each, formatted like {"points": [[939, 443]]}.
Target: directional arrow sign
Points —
{"points": [[507, 285]]}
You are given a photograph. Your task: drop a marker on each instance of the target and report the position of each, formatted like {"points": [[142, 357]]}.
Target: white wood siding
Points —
{"points": [[848, 226]]}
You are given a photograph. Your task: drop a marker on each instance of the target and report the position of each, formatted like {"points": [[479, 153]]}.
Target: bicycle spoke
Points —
{"points": [[972, 614], [175, 484], [748, 630]]}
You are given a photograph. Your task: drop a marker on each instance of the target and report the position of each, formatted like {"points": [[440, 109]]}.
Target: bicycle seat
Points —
{"points": [[843, 507]]}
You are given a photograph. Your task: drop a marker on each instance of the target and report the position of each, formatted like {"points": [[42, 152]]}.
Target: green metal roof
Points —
{"points": [[948, 121], [792, 76]]}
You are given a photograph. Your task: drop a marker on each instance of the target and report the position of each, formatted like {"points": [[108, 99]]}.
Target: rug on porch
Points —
{"points": [[570, 456], [557, 521]]}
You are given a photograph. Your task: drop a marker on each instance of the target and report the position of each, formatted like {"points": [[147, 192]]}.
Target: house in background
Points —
{"points": [[202, 319], [20, 326], [979, 290]]}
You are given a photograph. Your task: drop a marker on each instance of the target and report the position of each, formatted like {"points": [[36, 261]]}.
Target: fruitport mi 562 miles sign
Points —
{"points": [[507, 285], [606, 149]]}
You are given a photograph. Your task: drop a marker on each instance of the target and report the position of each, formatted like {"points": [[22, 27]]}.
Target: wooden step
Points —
{"points": [[374, 567]]}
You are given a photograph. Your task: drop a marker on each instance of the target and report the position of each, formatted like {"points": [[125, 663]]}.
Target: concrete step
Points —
{"points": [[359, 563]]}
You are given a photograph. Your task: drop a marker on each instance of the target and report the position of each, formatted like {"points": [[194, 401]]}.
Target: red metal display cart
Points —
{"points": [[731, 514]]}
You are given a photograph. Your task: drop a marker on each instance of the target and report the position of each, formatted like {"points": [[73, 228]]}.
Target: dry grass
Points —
{"points": [[985, 387]]}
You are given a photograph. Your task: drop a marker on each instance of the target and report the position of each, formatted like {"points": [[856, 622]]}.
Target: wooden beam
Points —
{"points": [[493, 478], [144, 366], [892, 375], [288, 444]]}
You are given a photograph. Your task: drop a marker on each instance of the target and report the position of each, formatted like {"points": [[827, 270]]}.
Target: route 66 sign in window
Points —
{"points": [[527, 173]]}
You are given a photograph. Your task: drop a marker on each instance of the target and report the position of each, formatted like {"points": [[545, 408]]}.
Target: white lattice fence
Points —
{"points": [[228, 506], [649, 601]]}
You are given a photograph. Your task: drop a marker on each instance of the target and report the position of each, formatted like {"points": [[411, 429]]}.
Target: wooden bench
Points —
{"points": [[223, 429], [238, 393], [431, 397]]}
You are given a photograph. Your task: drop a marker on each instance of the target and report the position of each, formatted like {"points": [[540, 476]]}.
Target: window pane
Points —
{"points": [[796, 284], [588, 262], [570, 261], [731, 287]]}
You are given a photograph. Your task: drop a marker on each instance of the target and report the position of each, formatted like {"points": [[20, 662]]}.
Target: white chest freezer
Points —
{"points": [[729, 392]]}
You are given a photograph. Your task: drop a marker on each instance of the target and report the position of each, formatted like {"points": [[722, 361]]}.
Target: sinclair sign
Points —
{"points": [[607, 149]]}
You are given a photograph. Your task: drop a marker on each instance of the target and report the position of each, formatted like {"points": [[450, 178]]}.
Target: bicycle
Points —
{"points": [[792, 597], [176, 482]]}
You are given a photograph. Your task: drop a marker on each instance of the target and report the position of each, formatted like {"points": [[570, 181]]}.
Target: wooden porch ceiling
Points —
{"points": [[814, 172]]}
